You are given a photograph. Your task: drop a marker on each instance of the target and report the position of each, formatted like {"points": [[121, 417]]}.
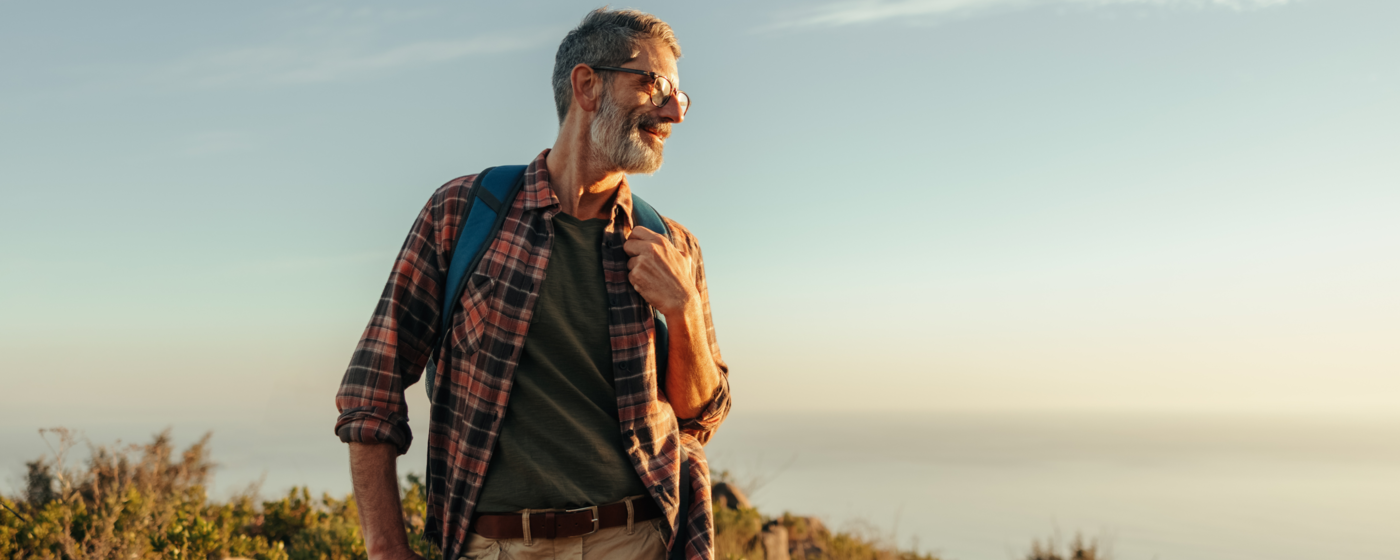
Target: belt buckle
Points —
{"points": [[594, 511]]}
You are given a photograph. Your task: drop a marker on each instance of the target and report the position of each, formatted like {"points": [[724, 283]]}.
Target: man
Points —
{"points": [[547, 396]]}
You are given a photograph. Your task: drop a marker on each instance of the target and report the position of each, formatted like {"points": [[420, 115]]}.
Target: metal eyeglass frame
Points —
{"points": [[654, 77]]}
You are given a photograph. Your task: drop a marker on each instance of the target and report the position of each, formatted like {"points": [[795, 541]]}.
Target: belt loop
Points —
{"points": [[525, 526], [628, 501]]}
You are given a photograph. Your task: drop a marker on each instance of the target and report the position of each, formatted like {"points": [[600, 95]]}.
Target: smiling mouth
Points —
{"points": [[655, 127], [659, 134]]}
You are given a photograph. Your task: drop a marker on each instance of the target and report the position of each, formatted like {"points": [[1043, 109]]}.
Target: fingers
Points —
{"points": [[636, 245], [635, 278], [640, 233]]}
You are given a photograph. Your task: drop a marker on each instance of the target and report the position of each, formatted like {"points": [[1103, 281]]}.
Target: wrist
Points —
{"points": [[684, 311]]}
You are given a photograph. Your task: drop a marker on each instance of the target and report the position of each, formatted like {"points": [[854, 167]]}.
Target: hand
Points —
{"points": [[661, 273]]}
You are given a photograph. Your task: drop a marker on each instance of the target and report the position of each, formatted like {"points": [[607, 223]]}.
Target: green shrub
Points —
{"points": [[142, 502], [146, 502], [737, 533]]}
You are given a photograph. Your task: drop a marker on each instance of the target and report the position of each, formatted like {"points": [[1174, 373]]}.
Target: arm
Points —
{"points": [[390, 357], [376, 481], [672, 279]]}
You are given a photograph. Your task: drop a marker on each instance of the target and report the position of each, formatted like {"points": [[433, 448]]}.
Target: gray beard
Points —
{"points": [[616, 139]]}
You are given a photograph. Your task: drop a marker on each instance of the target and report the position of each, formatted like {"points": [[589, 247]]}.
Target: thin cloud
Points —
{"points": [[310, 64], [871, 11]]}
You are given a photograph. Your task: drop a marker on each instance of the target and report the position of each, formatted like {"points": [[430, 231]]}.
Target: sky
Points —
{"points": [[910, 205]]}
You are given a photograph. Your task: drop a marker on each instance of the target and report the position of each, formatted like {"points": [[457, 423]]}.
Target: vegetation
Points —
{"points": [[149, 502], [739, 534], [1078, 548]]}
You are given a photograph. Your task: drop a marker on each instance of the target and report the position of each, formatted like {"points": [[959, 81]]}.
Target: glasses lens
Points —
{"points": [[662, 91]]}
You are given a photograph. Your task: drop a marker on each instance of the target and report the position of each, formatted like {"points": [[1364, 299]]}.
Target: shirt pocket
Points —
{"points": [[473, 318]]}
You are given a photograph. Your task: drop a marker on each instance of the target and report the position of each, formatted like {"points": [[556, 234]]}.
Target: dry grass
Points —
{"points": [[148, 502], [140, 502], [1078, 548], [738, 535]]}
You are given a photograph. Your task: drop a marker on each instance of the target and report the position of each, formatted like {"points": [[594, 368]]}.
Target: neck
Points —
{"points": [[584, 187]]}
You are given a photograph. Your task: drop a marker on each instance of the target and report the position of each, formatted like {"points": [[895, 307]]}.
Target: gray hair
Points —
{"points": [[605, 38]]}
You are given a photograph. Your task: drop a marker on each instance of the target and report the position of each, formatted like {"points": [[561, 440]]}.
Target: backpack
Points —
{"points": [[490, 198]]}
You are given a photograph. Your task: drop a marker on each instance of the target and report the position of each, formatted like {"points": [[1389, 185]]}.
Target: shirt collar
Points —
{"points": [[536, 193]]}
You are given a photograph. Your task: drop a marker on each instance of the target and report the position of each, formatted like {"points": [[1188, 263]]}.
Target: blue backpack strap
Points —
{"points": [[490, 201], [646, 216], [490, 198]]}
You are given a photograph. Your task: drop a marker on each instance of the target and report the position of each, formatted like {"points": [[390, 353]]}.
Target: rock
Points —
{"points": [[807, 536], [729, 496], [775, 542], [815, 526]]}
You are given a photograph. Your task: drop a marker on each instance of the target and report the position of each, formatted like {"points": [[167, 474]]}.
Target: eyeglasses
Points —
{"points": [[662, 90]]}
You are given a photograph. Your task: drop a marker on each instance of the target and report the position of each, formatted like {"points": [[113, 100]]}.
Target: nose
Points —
{"points": [[671, 112]]}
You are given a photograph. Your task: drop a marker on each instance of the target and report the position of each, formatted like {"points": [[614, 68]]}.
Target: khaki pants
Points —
{"points": [[644, 540]]}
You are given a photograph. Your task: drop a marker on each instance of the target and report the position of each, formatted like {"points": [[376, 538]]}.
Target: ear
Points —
{"points": [[588, 87]]}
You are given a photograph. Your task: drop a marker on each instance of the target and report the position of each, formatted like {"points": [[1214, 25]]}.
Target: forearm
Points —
{"points": [[672, 280], [691, 377], [374, 475]]}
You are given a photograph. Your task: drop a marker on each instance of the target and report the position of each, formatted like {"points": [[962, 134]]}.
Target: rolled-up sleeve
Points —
{"points": [[703, 426], [395, 346]]}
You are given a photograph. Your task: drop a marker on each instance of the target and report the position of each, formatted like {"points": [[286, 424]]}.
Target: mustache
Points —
{"points": [[661, 127]]}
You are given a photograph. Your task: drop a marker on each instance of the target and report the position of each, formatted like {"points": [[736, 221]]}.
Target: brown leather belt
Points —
{"points": [[562, 524]]}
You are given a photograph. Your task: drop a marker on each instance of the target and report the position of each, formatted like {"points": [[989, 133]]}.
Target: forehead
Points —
{"points": [[656, 57]]}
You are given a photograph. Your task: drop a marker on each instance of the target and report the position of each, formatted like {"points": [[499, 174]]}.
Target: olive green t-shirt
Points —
{"points": [[560, 444]]}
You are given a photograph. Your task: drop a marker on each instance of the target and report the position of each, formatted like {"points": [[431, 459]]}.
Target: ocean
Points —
{"points": [[975, 486], [1150, 486]]}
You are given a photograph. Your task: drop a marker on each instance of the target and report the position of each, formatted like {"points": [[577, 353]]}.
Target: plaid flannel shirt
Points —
{"points": [[477, 363]]}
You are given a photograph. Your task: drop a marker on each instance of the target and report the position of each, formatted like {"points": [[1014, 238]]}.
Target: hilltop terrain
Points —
{"points": [[148, 501]]}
